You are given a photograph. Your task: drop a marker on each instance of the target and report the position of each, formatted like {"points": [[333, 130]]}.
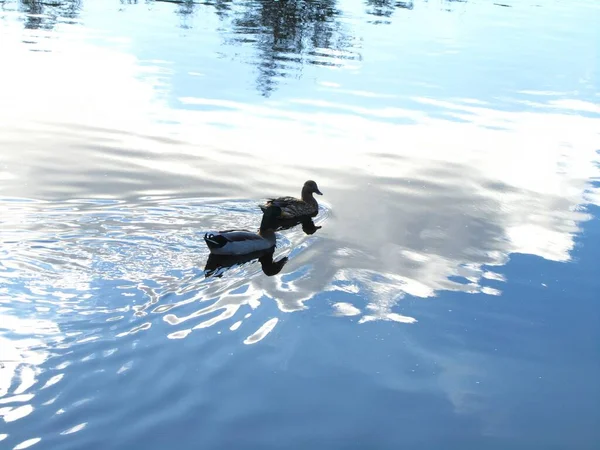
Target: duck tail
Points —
{"points": [[268, 202], [214, 241]]}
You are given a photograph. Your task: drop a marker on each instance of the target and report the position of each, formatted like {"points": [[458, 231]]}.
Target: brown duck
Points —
{"points": [[292, 207]]}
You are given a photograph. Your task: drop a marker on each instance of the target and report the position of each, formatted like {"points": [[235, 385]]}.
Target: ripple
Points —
{"points": [[52, 381], [73, 272], [74, 429], [262, 332], [181, 334], [26, 444], [236, 325], [12, 414], [143, 259]]}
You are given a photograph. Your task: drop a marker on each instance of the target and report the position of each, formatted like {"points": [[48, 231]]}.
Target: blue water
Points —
{"points": [[450, 299]]}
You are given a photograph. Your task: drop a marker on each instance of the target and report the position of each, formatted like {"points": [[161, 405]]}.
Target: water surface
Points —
{"points": [[450, 299]]}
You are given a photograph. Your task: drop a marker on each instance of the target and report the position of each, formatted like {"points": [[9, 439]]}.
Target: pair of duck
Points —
{"points": [[277, 213]]}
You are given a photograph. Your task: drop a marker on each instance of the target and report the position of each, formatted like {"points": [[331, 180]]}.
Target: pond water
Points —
{"points": [[450, 298]]}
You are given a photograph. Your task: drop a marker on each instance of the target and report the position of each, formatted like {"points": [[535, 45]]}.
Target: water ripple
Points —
{"points": [[129, 130], [146, 259]]}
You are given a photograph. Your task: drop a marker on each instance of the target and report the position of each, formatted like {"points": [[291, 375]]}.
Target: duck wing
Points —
{"points": [[222, 238], [241, 235], [282, 202], [236, 242]]}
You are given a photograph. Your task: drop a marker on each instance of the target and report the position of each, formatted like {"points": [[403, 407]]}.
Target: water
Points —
{"points": [[450, 299]]}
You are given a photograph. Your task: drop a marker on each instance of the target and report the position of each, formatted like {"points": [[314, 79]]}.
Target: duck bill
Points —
{"points": [[318, 192]]}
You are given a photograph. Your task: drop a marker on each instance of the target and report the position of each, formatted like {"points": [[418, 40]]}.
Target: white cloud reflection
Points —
{"points": [[420, 190]]}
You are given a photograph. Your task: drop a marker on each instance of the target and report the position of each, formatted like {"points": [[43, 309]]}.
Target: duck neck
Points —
{"points": [[267, 233], [307, 195], [267, 225]]}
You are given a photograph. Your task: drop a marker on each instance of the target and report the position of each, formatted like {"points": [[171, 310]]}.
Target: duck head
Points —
{"points": [[311, 187]]}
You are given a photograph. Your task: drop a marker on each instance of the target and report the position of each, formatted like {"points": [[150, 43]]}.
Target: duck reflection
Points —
{"points": [[216, 264], [308, 225]]}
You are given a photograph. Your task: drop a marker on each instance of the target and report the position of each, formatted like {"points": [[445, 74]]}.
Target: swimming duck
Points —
{"points": [[242, 242], [297, 207]]}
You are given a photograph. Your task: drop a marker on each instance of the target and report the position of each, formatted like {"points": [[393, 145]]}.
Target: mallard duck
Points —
{"points": [[242, 242], [292, 207]]}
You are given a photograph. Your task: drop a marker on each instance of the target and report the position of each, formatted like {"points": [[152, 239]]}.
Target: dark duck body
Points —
{"points": [[242, 242]]}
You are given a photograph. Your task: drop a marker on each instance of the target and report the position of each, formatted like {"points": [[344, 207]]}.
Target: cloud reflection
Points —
{"points": [[423, 193]]}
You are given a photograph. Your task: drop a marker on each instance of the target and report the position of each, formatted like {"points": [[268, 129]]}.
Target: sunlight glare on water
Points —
{"points": [[457, 147]]}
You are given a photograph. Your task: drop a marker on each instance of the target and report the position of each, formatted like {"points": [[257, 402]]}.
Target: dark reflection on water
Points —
{"points": [[270, 267], [286, 34], [290, 33], [386, 8], [185, 8], [46, 14]]}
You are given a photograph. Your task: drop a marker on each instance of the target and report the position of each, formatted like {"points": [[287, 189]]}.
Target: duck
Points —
{"points": [[243, 242], [292, 207]]}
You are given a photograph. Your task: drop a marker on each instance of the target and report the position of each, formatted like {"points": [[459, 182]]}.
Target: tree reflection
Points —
{"points": [[385, 8], [288, 34], [46, 14], [185, 9]]}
